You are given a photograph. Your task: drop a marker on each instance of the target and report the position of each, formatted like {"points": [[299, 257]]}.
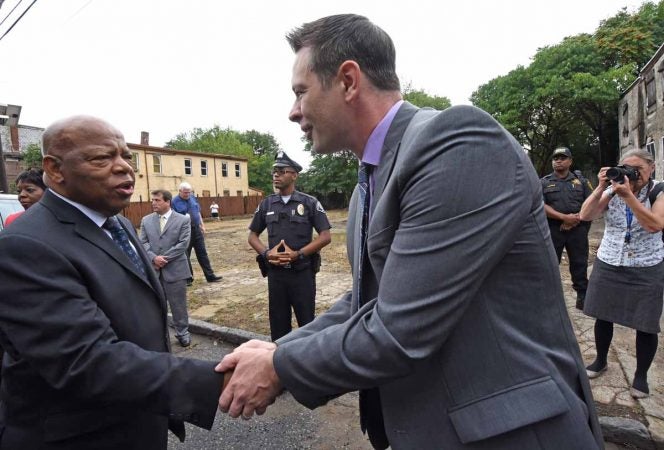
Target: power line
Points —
{"points": [[78, 11], [19, 18], [10, 12]]}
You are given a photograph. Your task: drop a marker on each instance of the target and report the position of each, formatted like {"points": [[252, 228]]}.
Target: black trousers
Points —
{"points": [[290, 288], [575, 241], [197, 242]]}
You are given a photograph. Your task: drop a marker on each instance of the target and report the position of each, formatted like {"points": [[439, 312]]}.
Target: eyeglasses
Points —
{"points": [[280, 172]]}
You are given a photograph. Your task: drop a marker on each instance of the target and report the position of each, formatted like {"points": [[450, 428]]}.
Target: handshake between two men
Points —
{"points": [[250, 382]]}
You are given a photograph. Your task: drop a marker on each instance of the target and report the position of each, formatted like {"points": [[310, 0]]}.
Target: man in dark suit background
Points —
{"points": [[455, 331], [165, 236], [83, 316]]}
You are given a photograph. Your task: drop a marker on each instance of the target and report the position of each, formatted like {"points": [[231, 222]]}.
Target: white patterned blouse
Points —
{"points": [[625, 242]]}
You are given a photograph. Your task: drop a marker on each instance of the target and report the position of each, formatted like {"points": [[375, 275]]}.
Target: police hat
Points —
{"points": [[282, 160], [564, 151]]}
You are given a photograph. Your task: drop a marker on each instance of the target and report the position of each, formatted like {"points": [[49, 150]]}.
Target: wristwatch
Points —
{"points": [[300, 255]]}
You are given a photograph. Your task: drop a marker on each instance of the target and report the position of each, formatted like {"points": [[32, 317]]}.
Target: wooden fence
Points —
{"points": [[228, 206]]}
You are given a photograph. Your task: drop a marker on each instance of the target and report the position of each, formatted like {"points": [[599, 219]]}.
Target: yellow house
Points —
{"points": [[210, 174]]}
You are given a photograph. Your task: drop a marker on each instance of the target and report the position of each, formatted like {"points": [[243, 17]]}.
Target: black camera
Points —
{"points": [[619, 173]]}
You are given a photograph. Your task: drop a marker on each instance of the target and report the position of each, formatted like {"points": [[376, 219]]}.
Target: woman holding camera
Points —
{"points": [[627, 281]]}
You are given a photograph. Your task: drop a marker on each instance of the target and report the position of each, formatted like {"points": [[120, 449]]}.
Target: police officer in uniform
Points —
{"points": [[564, 193], [291, 256]]}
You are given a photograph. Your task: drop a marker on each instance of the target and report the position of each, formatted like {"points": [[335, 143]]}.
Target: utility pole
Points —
{"points": [[9, 115]]}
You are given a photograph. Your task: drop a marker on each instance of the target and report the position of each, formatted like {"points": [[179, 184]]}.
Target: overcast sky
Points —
{"points": [[167, 66]]}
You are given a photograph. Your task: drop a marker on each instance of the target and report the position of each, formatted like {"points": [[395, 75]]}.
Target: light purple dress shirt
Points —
{"points": [[374, 147]]}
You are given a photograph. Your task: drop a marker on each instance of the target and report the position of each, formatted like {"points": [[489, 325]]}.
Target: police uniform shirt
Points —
{"points": [[292, 221], [565, 195]]}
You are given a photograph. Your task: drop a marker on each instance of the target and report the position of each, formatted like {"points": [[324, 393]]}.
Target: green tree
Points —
{"points": [[32, 157], [631, 39], [330, 177], [258, 147], [420, 98], [569, 93]]}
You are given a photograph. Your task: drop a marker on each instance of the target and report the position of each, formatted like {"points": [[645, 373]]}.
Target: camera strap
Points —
{"points": [[629, 214]]}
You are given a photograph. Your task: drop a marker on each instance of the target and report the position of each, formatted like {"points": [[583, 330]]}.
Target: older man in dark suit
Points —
{"points": [[455, 331], [83, 316]]}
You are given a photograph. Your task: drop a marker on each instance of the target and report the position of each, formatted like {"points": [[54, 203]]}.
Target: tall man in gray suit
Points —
{"points": [[165, 236], [455, 331]]}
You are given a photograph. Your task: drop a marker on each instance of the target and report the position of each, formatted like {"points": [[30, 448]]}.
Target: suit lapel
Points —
{"points": [[89, 231], [390, 149]]}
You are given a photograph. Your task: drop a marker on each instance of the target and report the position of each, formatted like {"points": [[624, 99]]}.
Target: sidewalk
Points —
{"points": [[624, 420]]}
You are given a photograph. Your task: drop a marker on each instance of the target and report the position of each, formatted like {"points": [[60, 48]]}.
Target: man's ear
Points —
{"points": [[53, 168], [349, 73]]}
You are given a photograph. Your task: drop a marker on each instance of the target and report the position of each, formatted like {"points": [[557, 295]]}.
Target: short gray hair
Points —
{"points": [[185, 185], [639, 153]]}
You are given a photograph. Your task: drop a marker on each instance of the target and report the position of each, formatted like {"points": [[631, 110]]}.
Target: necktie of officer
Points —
{"points": [[162, 223], [121, 239], [365, 198]]}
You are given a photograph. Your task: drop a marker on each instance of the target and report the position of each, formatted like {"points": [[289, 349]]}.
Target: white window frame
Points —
{"points": [[136, 161], [156, 163], [224, 169], [238, 173], [204, 168], [188, 170]]}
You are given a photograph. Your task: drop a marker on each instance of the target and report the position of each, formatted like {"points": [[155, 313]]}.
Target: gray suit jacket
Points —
{"points": [[467, 336], [172, 243]]}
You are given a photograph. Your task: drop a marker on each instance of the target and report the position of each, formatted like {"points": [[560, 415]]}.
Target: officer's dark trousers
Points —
{"points": [[575, 241], [197, 242], [286, 288]]}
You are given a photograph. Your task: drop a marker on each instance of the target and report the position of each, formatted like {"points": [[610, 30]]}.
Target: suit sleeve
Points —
{"points": [[59, 330], [143, 238], [464, 189]]}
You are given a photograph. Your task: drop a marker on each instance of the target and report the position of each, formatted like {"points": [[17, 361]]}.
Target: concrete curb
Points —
{"points": [[233, 336], [626, 431], [615, 429]]}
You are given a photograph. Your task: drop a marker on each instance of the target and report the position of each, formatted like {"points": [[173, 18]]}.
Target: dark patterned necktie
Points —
{"points": [[365, 199], [120, 237]]}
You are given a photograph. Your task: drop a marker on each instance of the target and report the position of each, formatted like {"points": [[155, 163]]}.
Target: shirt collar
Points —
{"points": [[91, 214], [374, 146], [168, 214]]}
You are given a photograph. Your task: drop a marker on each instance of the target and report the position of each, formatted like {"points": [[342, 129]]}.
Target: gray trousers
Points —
{"points": [[176, 295]]}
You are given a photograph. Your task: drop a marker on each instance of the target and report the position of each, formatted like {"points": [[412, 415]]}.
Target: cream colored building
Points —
{"points": [[210, 174]]}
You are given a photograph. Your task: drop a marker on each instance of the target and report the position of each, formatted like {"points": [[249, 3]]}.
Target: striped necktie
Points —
{"points": [[162, 223], [365, 200], [121, 239]]}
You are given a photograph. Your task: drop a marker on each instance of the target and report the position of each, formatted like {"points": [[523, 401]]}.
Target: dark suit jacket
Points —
{"points": [[87, 360], [467, 337]]}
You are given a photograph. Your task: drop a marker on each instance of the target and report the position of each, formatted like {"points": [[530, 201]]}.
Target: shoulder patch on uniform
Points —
{"points": [[319, 207], [258, 208], [576, 182]]}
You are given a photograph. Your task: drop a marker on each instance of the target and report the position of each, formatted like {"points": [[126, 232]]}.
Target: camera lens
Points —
{"points": [[616, 174]]}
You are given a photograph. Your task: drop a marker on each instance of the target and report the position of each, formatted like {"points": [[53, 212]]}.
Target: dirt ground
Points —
{"points": [[240, 300]]}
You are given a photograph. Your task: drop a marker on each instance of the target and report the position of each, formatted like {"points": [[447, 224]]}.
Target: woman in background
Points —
{"points": [[627, 281], [30, 187]]}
